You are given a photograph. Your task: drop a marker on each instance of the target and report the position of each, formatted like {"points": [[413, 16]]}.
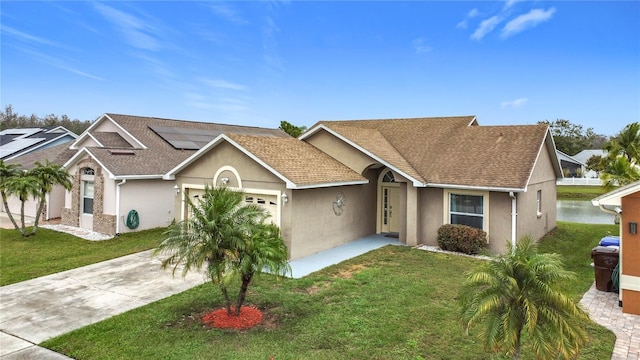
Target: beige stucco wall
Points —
{"points": [[529, 221], [56, 202], [154, 200], [315, 226], [499, 221], [341, 151], [430, 206]]}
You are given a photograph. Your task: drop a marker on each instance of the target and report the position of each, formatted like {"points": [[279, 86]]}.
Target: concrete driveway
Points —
{"points": [[36, 310]]}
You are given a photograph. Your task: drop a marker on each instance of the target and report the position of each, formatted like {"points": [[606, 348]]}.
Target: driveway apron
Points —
{"points": [[36, 310]]}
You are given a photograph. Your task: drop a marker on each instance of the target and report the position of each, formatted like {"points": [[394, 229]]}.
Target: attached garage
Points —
{"points": [[269, 202]]}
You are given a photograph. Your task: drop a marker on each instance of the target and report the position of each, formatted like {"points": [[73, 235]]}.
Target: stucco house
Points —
{"points": [[25, 146], [342, 180], [119, 164], [626, 198]]}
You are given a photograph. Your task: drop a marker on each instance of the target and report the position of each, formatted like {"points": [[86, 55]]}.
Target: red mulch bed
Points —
{"points": [[248, 318]]}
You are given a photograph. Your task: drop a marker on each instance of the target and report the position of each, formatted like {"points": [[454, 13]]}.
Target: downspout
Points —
{"points": [[609, 211], [124, 181], [514, 216]]}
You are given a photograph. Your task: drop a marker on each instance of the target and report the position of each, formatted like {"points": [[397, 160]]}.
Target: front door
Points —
{"points": [[390, 214]]}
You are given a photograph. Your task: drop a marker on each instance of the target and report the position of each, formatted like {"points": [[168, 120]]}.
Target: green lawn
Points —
{"points": [[49, 251], [570, 192], [392, 303]]}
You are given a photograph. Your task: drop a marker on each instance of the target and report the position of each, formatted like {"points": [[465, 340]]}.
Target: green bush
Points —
{"points": [[461, 238]]}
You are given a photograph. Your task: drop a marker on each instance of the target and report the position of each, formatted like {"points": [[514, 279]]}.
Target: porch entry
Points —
{"points": [[389, 199]]}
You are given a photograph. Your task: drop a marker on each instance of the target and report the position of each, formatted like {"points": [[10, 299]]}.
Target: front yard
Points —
{"points": [[395, 303], [49, 252]]}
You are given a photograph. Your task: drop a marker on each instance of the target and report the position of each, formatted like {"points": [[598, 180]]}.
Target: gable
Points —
{"points": [[225, 154], [341, 151]]}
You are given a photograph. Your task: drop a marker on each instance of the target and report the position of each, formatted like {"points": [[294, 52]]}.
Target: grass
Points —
{"points": [[579, 192], [49, 252], [395, 303]]}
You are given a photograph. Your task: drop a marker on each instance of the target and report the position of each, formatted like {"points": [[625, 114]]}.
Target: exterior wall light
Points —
{"points": [[285, 198], [225, 180], [176, 188]]}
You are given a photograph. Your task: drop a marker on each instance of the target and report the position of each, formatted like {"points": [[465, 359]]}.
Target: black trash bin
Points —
{"points": [[605, 260]]}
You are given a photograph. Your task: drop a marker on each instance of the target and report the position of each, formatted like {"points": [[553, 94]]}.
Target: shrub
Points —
{"points": [[461, 238]]}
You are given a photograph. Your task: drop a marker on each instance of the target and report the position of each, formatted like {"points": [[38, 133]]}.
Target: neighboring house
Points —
{"points": [[570, 166], [119, 164], [627, 198], [342, 180], [17, 142], [584, 156], [58, 154]]}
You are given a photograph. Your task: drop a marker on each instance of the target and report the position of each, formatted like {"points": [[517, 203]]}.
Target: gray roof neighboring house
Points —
{"points": [[571, 159], [584, 155], [58, 154], [17, 142]]}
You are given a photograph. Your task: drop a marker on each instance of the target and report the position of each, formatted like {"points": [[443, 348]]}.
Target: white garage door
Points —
{"points": [[268, 202]]}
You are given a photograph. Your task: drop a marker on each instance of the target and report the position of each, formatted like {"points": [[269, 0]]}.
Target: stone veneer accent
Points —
{"points": [[102, 223]]}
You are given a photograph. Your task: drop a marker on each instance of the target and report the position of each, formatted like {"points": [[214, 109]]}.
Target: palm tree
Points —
{"points": [[263, 250], [517, 296], [24, 186], [8, 171], [48, 175], [223, 234], [626, 143], [619, 172]]}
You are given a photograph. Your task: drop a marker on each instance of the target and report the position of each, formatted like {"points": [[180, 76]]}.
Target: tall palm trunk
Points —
{"points": [[23, 231], [43, 200], [6, 209], [227, 300], [516, 353], [246, 280]]}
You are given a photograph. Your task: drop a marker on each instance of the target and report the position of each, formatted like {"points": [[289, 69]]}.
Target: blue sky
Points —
{"points": [[257, 63]]}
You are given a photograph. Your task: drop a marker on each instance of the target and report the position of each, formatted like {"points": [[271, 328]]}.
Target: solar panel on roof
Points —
{"points": [[185, 138]]}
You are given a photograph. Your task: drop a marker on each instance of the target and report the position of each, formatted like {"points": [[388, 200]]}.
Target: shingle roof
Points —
{"points": [[58, 154], [298, 161], [450, 150], [159, 156], [14, 142]]}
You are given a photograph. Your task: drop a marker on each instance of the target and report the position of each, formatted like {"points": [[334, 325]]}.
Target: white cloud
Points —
{"points": [[227, 13], [471, 14], [509, 4], [135, 30], [223, 84], [526, 21], [420, 46], [59, 63], [486, 26], [27, 37], [514, 103]]}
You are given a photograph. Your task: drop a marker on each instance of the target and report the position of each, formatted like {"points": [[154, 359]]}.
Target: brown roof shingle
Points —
{"points": [[298, 161], [450, 150]]}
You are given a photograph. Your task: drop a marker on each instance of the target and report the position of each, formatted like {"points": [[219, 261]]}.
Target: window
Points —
{"points": [[87, 197], [466, 210], [539, 203], [88, 171], [388, 177]]}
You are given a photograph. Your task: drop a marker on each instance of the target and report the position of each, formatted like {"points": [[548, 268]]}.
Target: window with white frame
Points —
{"points": [[87, 197], [465, 209], [539, 203]]}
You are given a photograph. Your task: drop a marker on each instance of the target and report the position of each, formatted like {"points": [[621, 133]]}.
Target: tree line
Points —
{"points": [[9, 119]]}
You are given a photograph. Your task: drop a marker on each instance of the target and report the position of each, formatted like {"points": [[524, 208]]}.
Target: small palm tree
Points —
{"points": [[48, 175], [619, 172], [626, 143], [24, 186], [8, 171], [518, 295], [227, 237]]}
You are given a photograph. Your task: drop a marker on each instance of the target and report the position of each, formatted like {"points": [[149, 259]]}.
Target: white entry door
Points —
{"points": [[390, 214]]}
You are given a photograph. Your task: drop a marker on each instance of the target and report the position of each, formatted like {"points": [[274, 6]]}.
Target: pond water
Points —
{"points": [[582, 212]]}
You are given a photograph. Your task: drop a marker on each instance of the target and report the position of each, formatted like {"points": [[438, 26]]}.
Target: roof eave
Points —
{"points": [[414, 181], [326, 185], [478, 188]]}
